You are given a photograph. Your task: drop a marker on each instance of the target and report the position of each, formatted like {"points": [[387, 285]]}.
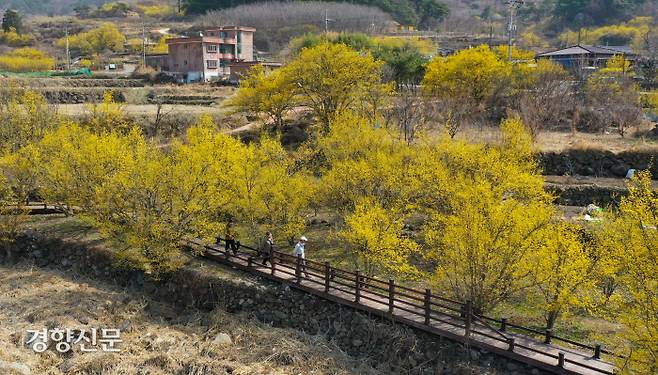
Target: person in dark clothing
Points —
{"points": [[230, 239], [267, 247]]}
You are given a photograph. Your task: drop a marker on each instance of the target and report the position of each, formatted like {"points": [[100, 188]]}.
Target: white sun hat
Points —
{"points": [[303, 238]]}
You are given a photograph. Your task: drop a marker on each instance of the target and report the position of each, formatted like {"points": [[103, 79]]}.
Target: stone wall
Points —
{"points": [[80, 95], [582, 195], [390, 347], [598, 163], [53, 82]]}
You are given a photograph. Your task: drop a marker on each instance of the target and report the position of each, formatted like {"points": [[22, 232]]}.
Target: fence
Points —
{"points": [[455, 319]]}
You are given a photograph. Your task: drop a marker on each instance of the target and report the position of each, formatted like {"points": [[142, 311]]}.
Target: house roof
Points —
{"points": [[222, 28], [264, 63], [200, 37], [627, 50], [184, 39], [581, 49]]}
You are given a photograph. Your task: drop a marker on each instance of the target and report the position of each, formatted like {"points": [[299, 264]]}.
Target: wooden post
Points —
{"points": [[298, 268], [597, 351], [549, 336], [468, 312], [273, 262], [327, 276], [357, 291], [510, 341], [391, 295], [503, 324], [560, 359], [428, 309]]}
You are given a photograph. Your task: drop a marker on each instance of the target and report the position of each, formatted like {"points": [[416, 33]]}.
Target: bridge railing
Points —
{"points": [[395, 298]]}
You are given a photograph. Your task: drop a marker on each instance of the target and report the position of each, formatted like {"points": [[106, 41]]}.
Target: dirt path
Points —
{"points": [[297, 111], [586, 180], [243, 128]]}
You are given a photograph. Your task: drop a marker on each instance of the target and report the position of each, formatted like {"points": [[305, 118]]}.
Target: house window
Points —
{"points": [[239, 49], [224, 48], [211, 48], [211, 64], [222, 34], [223, 63]]}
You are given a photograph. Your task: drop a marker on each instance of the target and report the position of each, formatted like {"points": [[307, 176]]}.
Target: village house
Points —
{"points": [[587, 57], [207, 56]]}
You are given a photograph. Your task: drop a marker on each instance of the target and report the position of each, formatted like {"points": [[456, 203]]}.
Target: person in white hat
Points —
{"points": [[299, 251]]}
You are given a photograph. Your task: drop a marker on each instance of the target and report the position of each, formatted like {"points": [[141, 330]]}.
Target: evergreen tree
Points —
{"points": [[592, 12], [12, 19]]}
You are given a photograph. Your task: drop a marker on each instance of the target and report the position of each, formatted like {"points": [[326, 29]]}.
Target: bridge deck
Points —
{"points": [[481, 335]]}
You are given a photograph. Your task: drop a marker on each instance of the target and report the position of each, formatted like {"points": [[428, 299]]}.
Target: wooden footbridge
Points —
{"points": [[423, 310]]}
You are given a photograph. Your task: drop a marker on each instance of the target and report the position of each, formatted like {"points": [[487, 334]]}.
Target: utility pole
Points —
{"points": [[511, 27], [326, 25], [491, 29], [68, 53], [143, 44]]}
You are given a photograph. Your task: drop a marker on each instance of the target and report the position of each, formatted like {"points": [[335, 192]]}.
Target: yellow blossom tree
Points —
{"points": [[332, 78], [106, 37], [26, 60], [565, 272], [360, 160], [25, 118], [108, 115], [269, 192], [631, 236], [271, 94], [375, 235], [471, 73], [618, 64], [486, 210]]}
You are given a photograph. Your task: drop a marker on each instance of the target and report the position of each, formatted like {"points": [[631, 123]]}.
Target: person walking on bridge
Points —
{"points": [[231, 244], [267, 248], [299, 252]]}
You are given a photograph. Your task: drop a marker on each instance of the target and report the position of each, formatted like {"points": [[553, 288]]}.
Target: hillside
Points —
{"points": [[50, 7], [557, 14]]}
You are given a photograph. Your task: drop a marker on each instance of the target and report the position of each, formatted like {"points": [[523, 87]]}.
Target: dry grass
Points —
{"points": [[156, 339], [562, 140], [559, 141], [143, 109]]}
